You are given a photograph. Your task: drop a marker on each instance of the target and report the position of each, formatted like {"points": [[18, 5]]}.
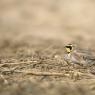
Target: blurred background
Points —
{"points": [[65, 20], [32, 37]]}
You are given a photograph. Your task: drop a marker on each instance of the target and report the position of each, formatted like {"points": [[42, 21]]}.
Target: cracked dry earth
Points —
{"points": [[38, 68]]}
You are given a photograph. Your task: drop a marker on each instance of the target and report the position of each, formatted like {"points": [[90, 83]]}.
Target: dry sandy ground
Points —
{"points": [[36, 66], [32, 38]]}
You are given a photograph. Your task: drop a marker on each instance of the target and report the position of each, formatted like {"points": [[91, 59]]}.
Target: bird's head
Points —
{"points": [[69, 48]]}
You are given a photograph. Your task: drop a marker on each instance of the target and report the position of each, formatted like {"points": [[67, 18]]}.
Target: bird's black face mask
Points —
{"points": [[68, 49]]}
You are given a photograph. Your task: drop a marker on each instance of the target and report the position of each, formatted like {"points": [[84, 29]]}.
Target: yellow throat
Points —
{"points": [[68, 50]]}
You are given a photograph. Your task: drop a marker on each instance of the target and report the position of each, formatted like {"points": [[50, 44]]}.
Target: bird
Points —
{"points": [[75, 55]]}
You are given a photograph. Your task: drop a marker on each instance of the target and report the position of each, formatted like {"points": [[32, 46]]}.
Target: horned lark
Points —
{"points": [[78, 56]]}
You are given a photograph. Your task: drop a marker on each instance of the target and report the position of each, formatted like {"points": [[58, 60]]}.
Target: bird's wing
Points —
{"points": [[89, 57], [85, 55], [76, 58], [82, 51]]}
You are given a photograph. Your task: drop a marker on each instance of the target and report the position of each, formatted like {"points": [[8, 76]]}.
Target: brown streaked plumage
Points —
{"points": [[78, 56]]}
